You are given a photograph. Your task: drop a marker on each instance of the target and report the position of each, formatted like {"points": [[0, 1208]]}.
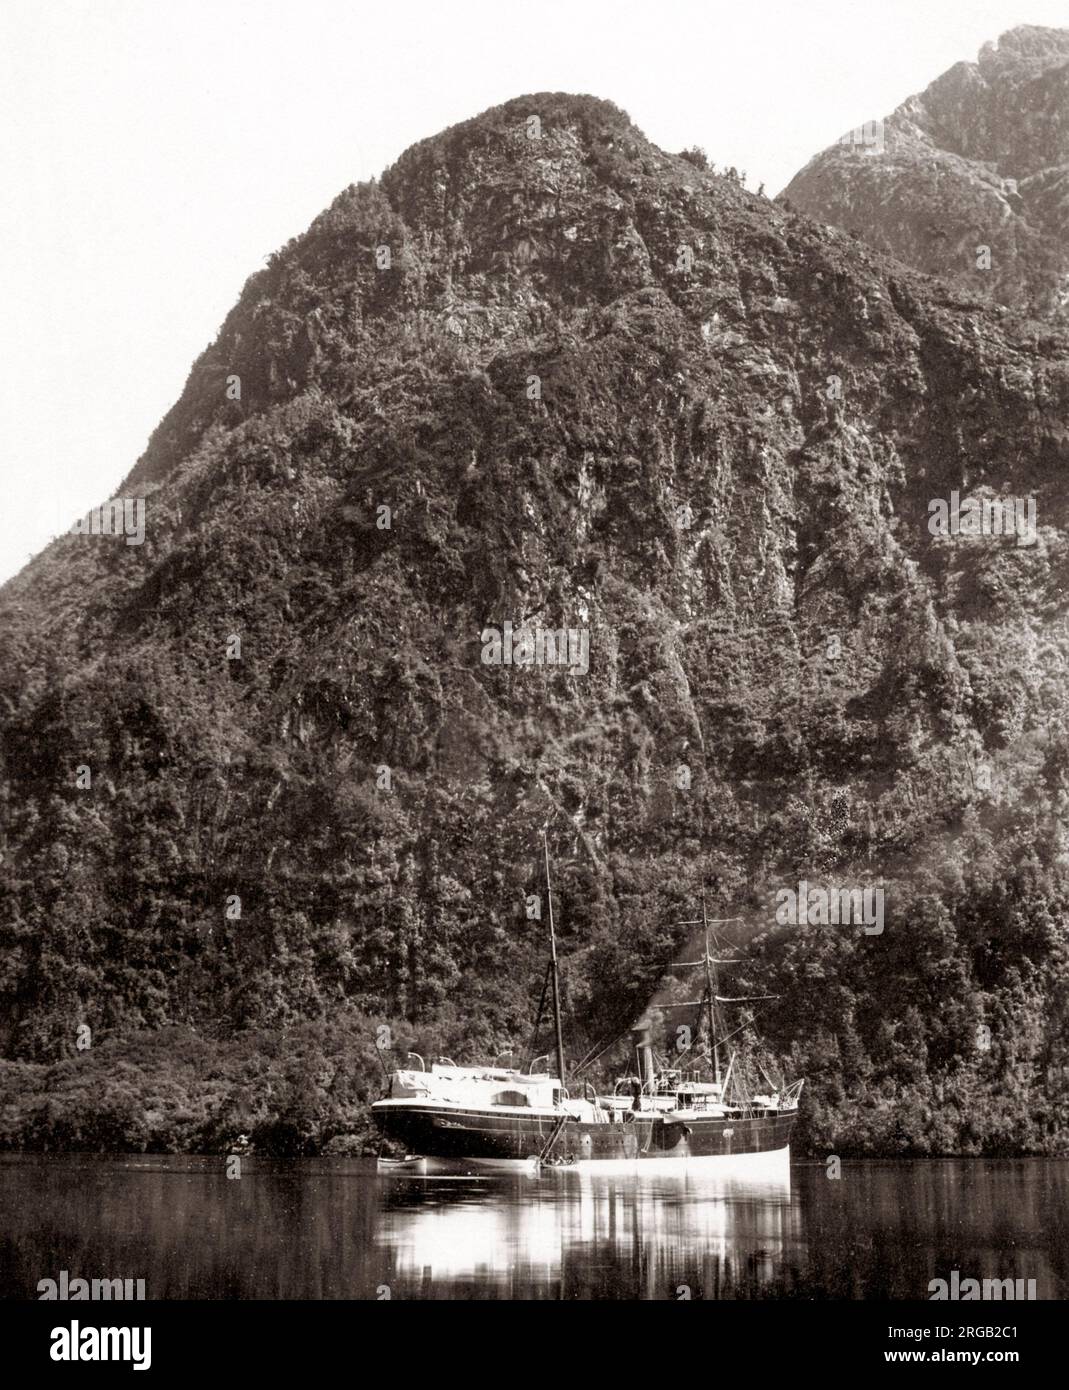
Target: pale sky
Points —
{"points": [[153, 154]]}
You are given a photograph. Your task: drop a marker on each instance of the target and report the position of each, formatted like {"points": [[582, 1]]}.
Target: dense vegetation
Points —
{"points": [[789, 676]]}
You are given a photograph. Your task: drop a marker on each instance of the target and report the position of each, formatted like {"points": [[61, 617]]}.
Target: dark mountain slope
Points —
{"points": [[979, 159], [719, 467]]}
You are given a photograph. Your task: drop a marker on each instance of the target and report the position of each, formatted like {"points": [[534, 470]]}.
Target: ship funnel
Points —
{"points": [[640, 1038]]}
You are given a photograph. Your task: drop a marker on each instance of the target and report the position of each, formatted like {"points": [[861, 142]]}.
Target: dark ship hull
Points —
{"points": [[474, 1135]]}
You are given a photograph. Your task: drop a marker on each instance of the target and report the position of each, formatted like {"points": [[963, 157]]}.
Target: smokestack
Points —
{"points": [[640, 1037]]}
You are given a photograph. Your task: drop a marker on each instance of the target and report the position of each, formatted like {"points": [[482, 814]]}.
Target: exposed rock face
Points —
{"points": [[552, 375], [979, 159]]}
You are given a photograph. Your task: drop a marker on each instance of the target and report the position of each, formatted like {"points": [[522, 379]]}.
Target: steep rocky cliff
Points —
{"points": [[266, 791], [968, 180]]}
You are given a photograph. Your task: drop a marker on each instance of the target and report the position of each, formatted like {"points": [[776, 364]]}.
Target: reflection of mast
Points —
{"points": [[553, 967]]}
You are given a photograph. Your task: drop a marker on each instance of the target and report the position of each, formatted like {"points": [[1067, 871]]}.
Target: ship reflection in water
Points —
{"points": [[337, 1228], [567, 1233]]}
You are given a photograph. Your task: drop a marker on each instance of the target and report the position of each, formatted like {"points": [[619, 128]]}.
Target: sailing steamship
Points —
{"points": [[489, 1116]]}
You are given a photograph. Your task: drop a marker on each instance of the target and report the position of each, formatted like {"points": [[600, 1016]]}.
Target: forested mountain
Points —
{"points": [[265, 791], [969, 179]]}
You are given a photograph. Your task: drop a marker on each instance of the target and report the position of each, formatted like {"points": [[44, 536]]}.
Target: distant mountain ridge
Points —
{"points": [[978, 159]]}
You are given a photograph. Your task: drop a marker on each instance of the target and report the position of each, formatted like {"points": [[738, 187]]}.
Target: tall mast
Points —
{"points": [[553, 967], [710, 989], [711, 998]]}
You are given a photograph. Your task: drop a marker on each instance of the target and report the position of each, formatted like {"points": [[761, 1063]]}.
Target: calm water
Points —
{"points": [[335, 1229]]}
